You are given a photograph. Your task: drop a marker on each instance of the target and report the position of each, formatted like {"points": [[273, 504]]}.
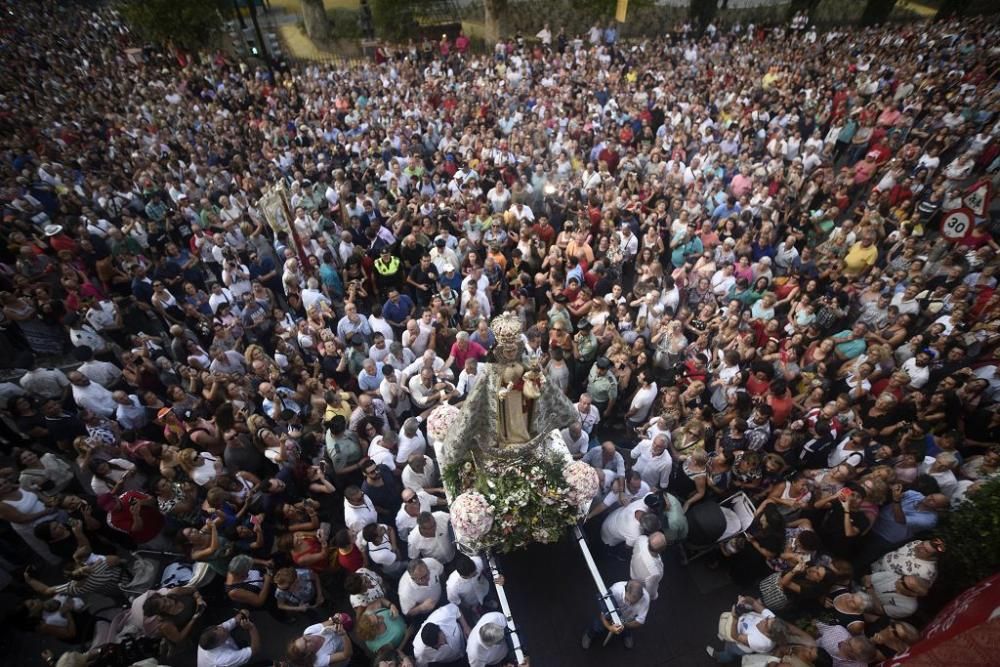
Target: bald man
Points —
{"points": [[646, 566]]}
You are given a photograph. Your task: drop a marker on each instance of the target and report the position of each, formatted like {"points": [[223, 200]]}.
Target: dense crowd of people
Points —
{"points": [[724, 249]]}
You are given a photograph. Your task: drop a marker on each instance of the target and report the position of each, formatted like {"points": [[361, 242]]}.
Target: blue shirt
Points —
{"points": [[850, 349], [370, 382], [917, 519], [398, 312]]}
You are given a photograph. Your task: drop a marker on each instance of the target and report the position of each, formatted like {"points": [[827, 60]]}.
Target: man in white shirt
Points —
{"points": [[103, 373], [395, 396], [432, 538], [896, 596], [420, 474], [382, 450], [441, 638], [92, 396], [467, 586], [576, 439], [632, 602], [625, 524], [487, 643], [420, 587], [82, 334], [414, 504], [312, 295], [45, 382], [621, 491], [426, 360], [411, 441], [217, 648], [642, 401], [221, 295], [130, 413], [359, 511], [646, 566], [468, 377], [589, 415], [380, 541], [653, 462]]}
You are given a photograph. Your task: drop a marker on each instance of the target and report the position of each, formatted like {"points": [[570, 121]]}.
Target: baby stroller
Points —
{"points": [[164, 569], [710, 523]]}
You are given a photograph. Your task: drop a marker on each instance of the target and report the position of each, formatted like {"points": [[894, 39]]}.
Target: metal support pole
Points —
{"points": [[505, 607], [604, 596]]}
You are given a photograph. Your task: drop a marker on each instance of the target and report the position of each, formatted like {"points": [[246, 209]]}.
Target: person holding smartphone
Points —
{"points": [[218, 648], [322, 644]]}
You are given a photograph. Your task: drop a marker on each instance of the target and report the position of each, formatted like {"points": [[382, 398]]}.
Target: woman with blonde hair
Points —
{"points": [[253, 352], [200, 467], [382, 625], [687, 440]]}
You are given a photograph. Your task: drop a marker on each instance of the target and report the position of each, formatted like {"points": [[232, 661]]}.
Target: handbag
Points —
{"points": [[726, 622]]}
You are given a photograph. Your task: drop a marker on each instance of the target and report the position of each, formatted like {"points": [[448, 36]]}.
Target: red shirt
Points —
{"points": [[120, 517], [351, 561], [782, 407], [473, 350], [546, 233]]}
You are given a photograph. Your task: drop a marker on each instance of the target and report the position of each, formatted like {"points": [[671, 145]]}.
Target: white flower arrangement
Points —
{"points": [[471, 516], [441, 420], [583, 482]]}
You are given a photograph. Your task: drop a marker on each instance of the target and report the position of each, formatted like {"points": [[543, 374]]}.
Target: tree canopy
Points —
{"points": [[188, 24]]}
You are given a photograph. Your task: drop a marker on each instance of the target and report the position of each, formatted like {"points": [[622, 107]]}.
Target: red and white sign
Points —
{"points": [[966, 632], [957, 224], [978, 196]]}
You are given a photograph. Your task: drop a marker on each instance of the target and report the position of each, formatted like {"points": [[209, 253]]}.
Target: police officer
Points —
{"points": [[602, 386]]}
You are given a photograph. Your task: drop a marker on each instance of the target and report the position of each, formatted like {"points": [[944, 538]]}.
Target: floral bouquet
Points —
{"points": [[472, 516], [583, 483], [528, 495], [441, 420]]}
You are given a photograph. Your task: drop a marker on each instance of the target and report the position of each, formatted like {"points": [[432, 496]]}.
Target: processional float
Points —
{"points": [[508, 475]]}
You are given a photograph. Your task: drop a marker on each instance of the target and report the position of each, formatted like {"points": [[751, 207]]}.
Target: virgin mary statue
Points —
{"points": [[512, 406], [519, 386]]}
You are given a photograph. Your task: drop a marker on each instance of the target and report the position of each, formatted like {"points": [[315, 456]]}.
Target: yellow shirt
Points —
{"points": [[344, 409], [860, 258]]}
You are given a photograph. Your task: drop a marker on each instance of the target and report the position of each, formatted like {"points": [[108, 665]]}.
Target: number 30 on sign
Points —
{"points": [[957, 224]]}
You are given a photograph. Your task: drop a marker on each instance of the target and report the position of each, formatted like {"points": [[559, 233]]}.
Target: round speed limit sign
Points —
{"points": [[956, 224]]}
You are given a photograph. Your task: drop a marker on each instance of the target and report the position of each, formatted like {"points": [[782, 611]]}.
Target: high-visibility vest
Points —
{"points": [[387, 268]]}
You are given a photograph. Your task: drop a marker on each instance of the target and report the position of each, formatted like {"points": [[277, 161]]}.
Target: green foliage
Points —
{"points": [[972, 540], [393, 19], [877, 11], [188, 24], [344, 23], [527, 491]]}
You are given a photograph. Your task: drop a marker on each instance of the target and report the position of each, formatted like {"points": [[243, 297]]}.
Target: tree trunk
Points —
{"points": [[316, 20], [239, 15], [492, 13], [265, 54]]}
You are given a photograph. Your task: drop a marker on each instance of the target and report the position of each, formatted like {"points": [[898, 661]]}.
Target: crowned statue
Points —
{"points": [[512, 406], [519, 386], [509, 477]]}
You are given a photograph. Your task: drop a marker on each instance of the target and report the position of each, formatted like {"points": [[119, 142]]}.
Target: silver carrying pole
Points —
{"points": [[610, 610], [505, 608]]}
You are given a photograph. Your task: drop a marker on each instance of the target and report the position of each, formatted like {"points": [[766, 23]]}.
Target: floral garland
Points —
{"points": [[441, 420], [529, 495], [583, 482], [472, 516]]}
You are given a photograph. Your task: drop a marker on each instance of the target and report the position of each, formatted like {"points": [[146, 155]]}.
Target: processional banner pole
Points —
{"points": [[505, 607], [605, 597]]}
